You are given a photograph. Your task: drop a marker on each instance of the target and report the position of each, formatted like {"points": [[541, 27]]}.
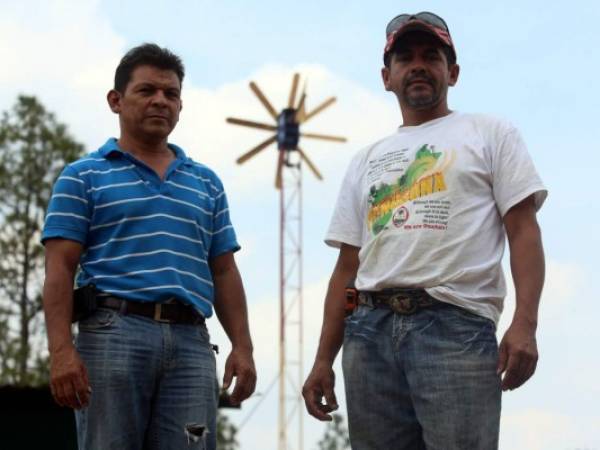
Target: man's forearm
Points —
{"points": [[528, 271], [62, 258], [332, 332], [58, 308], [231, 308]]}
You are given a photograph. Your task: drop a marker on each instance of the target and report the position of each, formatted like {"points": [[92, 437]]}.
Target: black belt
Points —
{"points": [[161, 312], [401, 301]]}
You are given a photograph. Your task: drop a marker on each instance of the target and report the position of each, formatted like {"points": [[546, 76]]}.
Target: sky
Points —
{"points": [[532, 62]]}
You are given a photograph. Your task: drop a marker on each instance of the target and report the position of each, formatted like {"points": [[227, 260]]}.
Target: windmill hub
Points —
{"points": [[288, 130]]}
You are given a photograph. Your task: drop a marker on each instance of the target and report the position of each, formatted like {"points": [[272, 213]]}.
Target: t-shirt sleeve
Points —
{"points": [[69, 211], [347, 222], [514, 177], [223, 239]]}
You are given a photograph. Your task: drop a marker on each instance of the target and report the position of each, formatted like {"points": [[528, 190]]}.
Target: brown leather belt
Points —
{"points": [[174, 312], [401, 301]]}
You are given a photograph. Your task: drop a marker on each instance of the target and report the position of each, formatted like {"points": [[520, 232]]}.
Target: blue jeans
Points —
{"points": [[149, 381], [421, 381]]}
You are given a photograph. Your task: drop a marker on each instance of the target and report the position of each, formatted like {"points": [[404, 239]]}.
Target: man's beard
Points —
{"points": [[421, 100]]}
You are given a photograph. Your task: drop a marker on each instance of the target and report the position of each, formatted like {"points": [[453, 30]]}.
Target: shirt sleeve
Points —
{"points": [[347, 223], [514, 177], [224, 239], [69, 212]]}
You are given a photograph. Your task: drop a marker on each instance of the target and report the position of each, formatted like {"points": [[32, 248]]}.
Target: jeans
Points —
{"points": [[149, 381], [421, 381]]}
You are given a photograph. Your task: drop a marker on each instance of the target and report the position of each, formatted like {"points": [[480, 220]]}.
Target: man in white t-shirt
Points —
{"points": [[420, 222]]}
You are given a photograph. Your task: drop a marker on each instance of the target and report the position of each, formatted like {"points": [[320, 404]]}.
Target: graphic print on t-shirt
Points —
{"points": [[419, 179]]}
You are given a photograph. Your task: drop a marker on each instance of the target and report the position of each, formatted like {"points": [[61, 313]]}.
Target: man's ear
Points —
{"points": [[114, 101], [454, 71], [385, 76]]}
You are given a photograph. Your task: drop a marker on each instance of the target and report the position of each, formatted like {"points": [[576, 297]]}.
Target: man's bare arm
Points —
{"points": [[68, 375], [232, 312], [321, 380], [518, 349]]}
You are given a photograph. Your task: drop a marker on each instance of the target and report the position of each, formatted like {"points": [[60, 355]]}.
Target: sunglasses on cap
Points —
{"points": [[425, 16]]}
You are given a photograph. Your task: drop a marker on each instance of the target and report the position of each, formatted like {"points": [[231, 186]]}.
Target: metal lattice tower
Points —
{"points": [[288, 180]]}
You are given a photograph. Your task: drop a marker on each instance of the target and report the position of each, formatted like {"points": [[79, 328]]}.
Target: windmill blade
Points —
{"points": [[300, 111], [249, 154], [279, 171], [293, 90], [319, 108], [263, 99], [251, 124], [325, 137], [310, 164]]}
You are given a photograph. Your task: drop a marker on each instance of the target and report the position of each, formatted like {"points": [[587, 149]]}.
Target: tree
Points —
{"points": [[226, 433], [336, 435], [34, 148]]}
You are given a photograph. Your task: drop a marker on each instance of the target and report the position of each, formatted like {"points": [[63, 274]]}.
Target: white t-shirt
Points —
{"points": [[425, 206]]}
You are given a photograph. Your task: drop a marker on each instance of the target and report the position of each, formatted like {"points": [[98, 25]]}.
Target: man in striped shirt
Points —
{"points": [[150, 228]]}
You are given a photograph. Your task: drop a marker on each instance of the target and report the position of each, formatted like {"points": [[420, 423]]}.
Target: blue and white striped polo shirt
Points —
{"points": [[144, 238]]}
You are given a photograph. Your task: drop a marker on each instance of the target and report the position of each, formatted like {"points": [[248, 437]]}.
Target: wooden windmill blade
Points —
{"points": [[325, 137], [310, 164], [249, 154], [251, 124], [330, 101], [263, 99], [300, 111], [294, 88]]}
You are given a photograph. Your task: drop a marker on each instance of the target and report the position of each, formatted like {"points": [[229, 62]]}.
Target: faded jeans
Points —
{"points": [[149, 381], [421, 381]]}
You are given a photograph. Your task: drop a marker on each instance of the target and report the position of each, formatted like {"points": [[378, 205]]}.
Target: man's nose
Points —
{"points": [[159, 98], [418, 67]]}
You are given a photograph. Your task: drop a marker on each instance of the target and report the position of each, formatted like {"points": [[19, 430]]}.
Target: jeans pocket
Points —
{"points": [[101, 318], [474, 331]]}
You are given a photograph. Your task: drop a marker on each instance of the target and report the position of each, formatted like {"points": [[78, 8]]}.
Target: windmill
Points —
{"points": [[288, 180]]}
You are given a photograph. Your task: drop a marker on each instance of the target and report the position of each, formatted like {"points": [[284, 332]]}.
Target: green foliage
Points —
{"points": [[336, 435], [34, 148], [226, 433]]}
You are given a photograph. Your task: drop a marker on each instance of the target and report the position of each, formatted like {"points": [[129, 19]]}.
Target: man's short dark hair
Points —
{"points": [[450, 57], [146, 55]]}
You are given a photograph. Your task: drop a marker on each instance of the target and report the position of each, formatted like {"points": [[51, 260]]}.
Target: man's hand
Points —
{"points": [[240, 364], [518, 355], [69, 382], [319, 384]]}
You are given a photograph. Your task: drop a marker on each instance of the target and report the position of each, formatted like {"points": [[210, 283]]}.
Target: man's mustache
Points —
{"points": [[419, 77]]}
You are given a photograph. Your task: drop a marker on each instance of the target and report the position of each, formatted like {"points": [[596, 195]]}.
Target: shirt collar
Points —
{"points": [[111, 148]]}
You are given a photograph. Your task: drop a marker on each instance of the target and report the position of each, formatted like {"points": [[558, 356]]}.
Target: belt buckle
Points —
{"points": [[158, 313], [403, 304]]}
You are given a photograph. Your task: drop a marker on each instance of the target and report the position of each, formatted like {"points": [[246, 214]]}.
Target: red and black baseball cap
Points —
{"points": [[424, 21]]}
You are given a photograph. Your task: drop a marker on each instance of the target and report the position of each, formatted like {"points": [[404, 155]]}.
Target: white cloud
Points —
{"points": [[64, 53], [534, 429], [563, 286]]}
